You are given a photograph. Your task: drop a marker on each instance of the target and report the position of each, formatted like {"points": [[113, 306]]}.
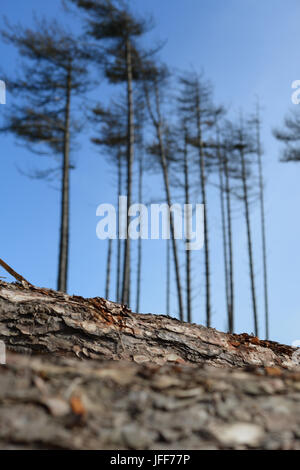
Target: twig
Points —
{"points": [[13, 273]]}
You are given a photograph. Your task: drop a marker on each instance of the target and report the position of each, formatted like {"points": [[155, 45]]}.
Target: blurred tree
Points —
{"points": [[112, 136], [53, 73], [112, 24], [256, 122], [196, 103], [290, 137], [244, 145], [140, 123], [155, 80]]}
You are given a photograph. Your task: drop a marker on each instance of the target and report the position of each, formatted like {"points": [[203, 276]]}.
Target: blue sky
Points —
{"points": [[247, 48]]}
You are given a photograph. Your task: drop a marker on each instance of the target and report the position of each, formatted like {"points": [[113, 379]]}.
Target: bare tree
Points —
{"points": [[257, 123], [168, 279], [230, 244], [224, 221], [111, 23], [140, 150], [188, 224], [53, 73], [196, 103], [290, 137], [112, 136], [244, 146], [153, 85], [229, 169]]}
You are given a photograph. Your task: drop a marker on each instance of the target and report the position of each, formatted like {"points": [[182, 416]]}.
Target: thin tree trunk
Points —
{"points": [[64, 227], [139, 262], [224, 233], [263, 227], [118, 286], [168, 197], [164, 164], [247, 217], [108, 268], [130, 157], [187, 252], [230, 245], [168, 279], [174, 245], [204, 202]]}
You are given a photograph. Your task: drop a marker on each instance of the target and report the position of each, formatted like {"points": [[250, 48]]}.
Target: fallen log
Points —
{"points": [[36, 320], [94, 375], [62, 403]]}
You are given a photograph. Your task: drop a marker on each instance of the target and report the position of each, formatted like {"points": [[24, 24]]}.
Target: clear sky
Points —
{"points": [[247, 48]]}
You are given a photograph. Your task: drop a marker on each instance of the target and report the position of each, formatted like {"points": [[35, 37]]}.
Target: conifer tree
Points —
{"points": [[155, 80], [112, 24], [54, 72]]}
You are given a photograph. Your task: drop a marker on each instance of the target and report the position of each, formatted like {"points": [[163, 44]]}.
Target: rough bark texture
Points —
{"points": [[46, 321], [170, 384], [53, 403]]}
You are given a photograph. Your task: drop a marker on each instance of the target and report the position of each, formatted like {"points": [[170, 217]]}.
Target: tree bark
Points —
{"points": [[160, 391], [45, 321], [65, 201], [58, 403]]}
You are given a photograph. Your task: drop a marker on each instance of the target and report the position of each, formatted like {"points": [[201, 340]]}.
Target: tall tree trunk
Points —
{"points": [[263, 227], [168, 283], [130, 157], [164, 165], [187, 252], [118, 285], [157, 122], [65, 204], [230, 244], [139, 261], [108, 268], [204, 202], [224, 233], [250, 254]]}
